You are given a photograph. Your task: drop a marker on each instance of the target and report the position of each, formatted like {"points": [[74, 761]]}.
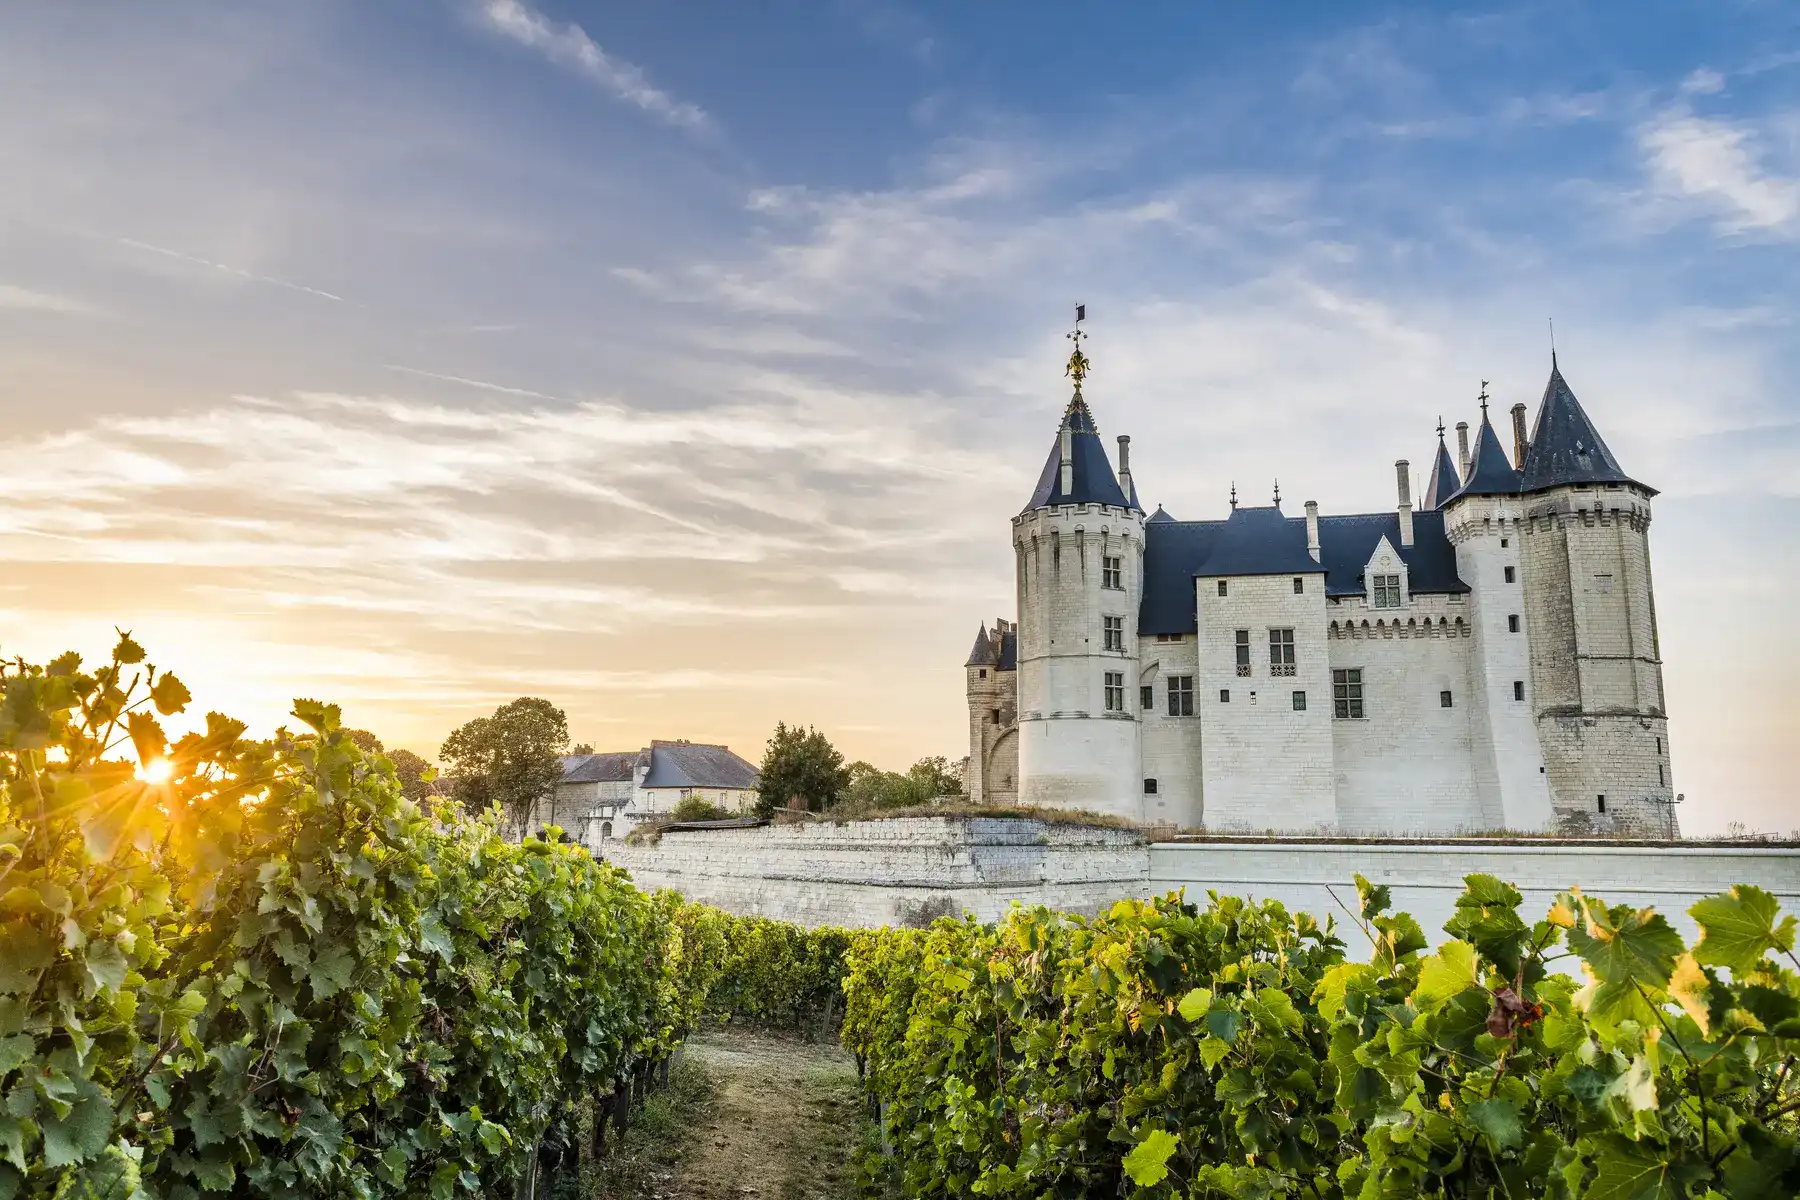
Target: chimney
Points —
{"points": [[1125, 466], [1462, 448], [1068, 460], [1520, 445], [1312, 529], [1403, 481]]}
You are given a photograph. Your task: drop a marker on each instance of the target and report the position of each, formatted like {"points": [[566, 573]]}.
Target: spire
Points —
{"points": [[1491, 473], [1234, 495], [1444, 480], [1089, 478], [1565, 447], [1278, 493], [985, 653]]}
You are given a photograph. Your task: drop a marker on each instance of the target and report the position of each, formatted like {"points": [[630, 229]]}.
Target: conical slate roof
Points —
{"points": [[1444, 479], [1490, 474], [985, 654], [1093, 480], [1565, 446], [1159, 516]]}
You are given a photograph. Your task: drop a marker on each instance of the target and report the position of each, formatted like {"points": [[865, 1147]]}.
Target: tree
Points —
{"points": [[512, 758], [928, 779], [800, 764], [934, 777], [365, 741], [412, 769]]}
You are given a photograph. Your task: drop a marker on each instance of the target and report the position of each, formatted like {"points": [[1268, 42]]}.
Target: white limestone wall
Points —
{"points": [[893, 872], [1266, 766], [1508, 759], [1426, 877], [1406, 767], [1172, 752]]}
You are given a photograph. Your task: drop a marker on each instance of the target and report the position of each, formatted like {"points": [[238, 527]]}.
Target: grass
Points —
{"points": [[656, 1139]]}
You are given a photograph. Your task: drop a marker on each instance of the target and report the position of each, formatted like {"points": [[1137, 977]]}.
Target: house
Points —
{"points": [[602, 796]]}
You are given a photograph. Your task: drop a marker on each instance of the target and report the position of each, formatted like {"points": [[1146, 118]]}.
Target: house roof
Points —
{"points": [[1009, 650], [1490, 474], [1092, 481], [1444, 479], [599, 768], [695, 764], [1565, 447], [1159, 516], [1176, 552]]}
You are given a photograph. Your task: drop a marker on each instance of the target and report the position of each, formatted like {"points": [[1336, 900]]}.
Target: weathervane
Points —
{"points": [[1278, 493], [1234, 495], [1078, 362], [1440, 429], [1484, 400]]}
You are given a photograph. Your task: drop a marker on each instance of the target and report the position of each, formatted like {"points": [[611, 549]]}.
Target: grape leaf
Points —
{"points": [[1498, 1121], [1147, 1164], [1738, 927]]}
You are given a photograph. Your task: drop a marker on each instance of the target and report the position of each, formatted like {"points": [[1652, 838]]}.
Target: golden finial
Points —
{"points": [[1078, 362]]}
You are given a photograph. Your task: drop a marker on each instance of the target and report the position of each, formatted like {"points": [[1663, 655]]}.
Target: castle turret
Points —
{"points": [[1596, 665], [1079, 544], [1444, 481], [1482, 521]]}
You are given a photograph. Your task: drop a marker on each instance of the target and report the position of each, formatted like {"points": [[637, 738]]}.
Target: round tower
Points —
{"points": [[1080, 548], [1596, 663]]}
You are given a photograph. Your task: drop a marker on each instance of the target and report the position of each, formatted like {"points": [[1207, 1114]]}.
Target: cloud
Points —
{"points": [[571, 47], [227, 269], [1722, 165], [12, 296]]}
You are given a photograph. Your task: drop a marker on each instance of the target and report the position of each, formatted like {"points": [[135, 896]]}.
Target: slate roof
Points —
{"points": [[1159, 516], [1444, 479], [1490, 474], [599, 768], [984, 654], [695, 764], [1565, 447], [1009, 651], [1092, 480], [1176, 552]]}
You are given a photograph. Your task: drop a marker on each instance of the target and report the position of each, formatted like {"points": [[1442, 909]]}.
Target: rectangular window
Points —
{"points": [[1603, 584], [1659, 746], [1505, 542], [1512, 622], [1115, 691], [1299, 701], [1113, 628], [1147, 697], [984, 672], [1224, 695], [1111, 573], [1600, 803], [1347, 693], [1387, 590], [1509, 574], [1281, 652], [1659, 775], [1149, 787], [1299, 586], [1445, 700], [1518, 689], [1243, 653], [1221, 587], [1181, 695], [995, 715], [1168, 637]]}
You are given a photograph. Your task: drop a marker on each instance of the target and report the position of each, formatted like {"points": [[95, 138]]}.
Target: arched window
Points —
{"points": [[605, 830]]}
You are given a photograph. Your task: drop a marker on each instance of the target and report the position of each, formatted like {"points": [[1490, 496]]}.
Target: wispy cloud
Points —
{"points": [[228, 269], [1723, 165], [571, 47], [12, 296]]}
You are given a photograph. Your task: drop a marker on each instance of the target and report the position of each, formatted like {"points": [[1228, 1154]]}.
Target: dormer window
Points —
{"points": [[1386, 591]]}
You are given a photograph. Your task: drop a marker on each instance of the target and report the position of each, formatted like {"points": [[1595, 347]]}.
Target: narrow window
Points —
{"points": [[1181, 695], [1243, 653], [1518, 689], [1509, 574], [984, 672], [1147, 697], [1659, 746], [1600, 803], [1221, 587], [1299, 701], [605, 830], [1445, 700], [1112, 574], [1149, 787], [1115, 691], [1114, 630], [1299, 585], [995, 714], [1659, 775], [1347, 693], [1505, 542], [1224, 695], [1281, 652], [1512, 622], [1387, 591]]}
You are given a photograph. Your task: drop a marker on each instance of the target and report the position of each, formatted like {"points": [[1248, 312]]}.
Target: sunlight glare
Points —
{"points": [[156, 771]]}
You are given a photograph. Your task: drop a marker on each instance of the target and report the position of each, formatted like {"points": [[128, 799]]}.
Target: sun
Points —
{"points": [[156, 771]]}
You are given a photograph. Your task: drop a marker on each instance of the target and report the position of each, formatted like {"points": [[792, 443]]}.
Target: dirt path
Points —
{"points": [[768, 1118]]}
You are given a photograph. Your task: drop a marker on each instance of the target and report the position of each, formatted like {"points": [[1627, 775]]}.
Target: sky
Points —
{"points": [[684, 363]]}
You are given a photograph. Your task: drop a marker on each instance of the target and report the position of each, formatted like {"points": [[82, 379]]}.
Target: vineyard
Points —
{"points": [[254, 968]]}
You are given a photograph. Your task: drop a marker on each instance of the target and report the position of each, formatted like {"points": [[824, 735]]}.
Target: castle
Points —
{"points": [[1484, 660]]}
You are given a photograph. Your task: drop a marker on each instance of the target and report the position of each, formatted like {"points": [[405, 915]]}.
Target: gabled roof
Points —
{"points": [[984, 654], [1176, 552], [1565, 447], [695, 764], [1490, 474], [1259, 541], [598, 768], [1444, 479], [1092, 480]]}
